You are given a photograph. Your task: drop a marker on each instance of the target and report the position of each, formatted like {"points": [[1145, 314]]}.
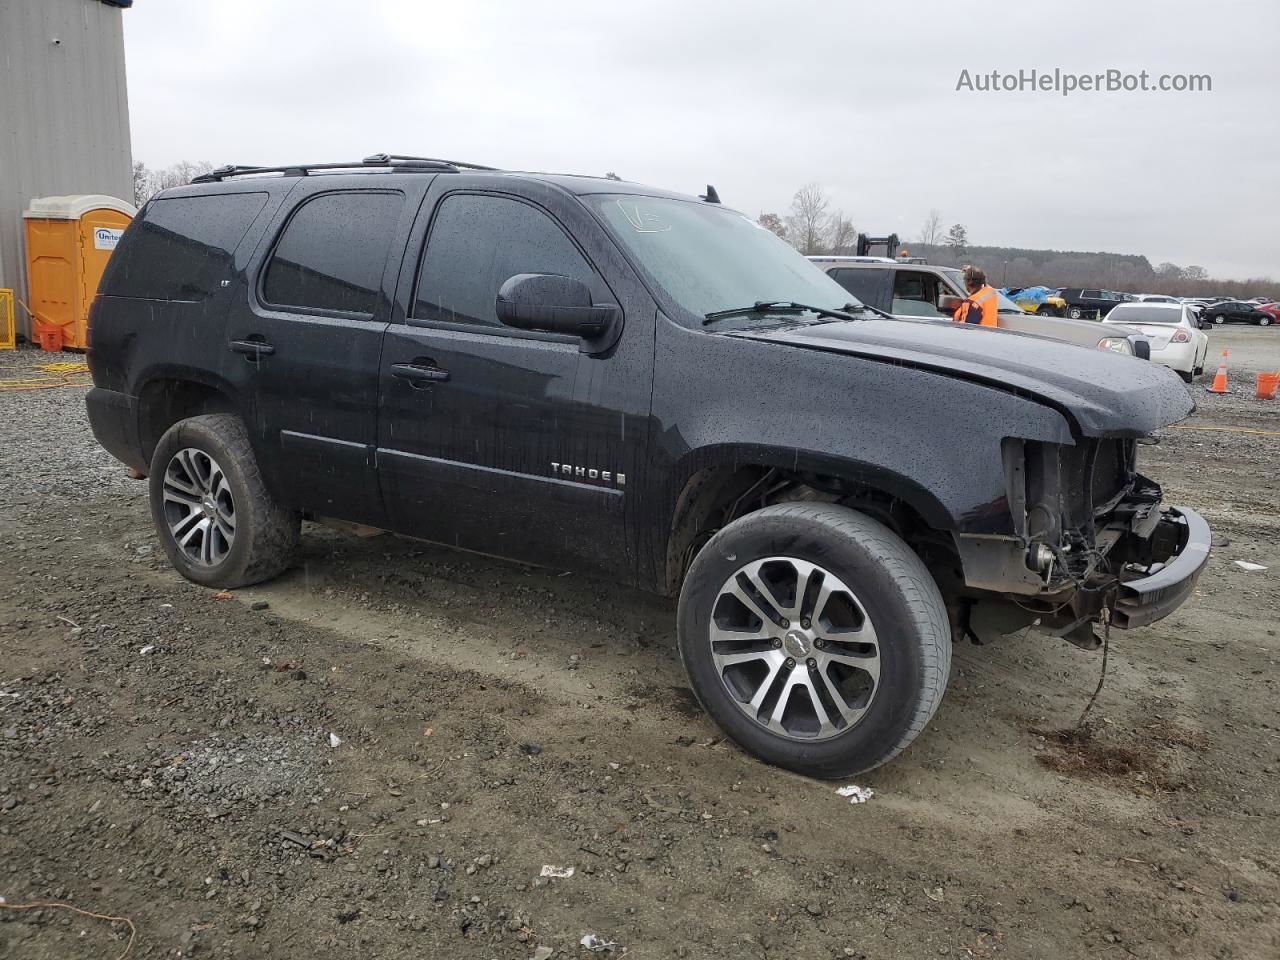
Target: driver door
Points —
{"points": [[503, 441]]}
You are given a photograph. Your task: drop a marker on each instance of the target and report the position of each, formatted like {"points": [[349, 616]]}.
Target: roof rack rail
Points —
{"points": [[405, 164], [389, 157]]}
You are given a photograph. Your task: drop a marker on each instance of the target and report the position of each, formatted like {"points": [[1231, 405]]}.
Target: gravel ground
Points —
{"points": [[378, 753]]}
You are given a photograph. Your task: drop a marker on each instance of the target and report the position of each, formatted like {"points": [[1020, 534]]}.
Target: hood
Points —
{"points": [[1103, 393]]}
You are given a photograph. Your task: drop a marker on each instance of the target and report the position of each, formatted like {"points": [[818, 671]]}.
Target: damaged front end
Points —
{"points": [[1091, 543]]}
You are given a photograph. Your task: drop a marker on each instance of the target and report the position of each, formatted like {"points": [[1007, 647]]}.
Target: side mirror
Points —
{"points": [[553, 304], [1141, 348], [949, 303]]}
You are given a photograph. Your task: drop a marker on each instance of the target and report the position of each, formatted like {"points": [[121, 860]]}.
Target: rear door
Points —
{"points": [[503, 441], [304, 344]]}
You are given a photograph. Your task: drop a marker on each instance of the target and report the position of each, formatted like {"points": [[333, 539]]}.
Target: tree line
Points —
{"points": [[813, 227]]}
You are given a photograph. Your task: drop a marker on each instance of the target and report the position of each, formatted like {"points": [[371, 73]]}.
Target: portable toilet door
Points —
{"points": [[69, 240]]}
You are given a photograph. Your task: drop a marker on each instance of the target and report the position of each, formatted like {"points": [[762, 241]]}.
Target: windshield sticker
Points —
{"points": [[640, 221]]}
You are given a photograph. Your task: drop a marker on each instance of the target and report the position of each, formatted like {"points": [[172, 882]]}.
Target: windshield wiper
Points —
{"points": [[760, 306], [851, 308], [779, 306]]}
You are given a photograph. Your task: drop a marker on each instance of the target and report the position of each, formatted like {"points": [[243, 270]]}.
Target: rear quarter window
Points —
{"points": [[181, 248], [870, 286]]}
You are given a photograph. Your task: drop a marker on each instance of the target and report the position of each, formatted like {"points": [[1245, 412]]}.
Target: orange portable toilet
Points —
{"points": [[69, 240]]}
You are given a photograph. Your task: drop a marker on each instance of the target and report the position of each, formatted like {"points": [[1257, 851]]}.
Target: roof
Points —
{"points": [[400, 165], [76, 206], [882, 262], [844, 259]]}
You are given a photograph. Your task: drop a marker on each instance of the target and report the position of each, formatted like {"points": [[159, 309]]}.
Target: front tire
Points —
{"points": [[217, 523], [815, 638], [1219, 320]]}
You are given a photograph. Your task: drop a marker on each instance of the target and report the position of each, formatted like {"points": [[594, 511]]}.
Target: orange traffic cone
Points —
{"points": [[1220, 378]]}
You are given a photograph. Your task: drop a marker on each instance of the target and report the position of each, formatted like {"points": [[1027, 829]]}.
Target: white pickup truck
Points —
{"points": [[923, 291]]}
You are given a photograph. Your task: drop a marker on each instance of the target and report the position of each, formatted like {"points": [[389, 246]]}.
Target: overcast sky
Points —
{"points": [[758, 99]]}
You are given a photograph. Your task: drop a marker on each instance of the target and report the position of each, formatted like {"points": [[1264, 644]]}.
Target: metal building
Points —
{"points": [[64, 113]]}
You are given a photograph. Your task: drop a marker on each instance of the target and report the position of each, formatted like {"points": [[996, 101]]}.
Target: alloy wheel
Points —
{"points": [[795, 649], [199, 507]]}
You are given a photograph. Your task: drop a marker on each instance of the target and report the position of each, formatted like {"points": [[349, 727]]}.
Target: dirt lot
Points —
{"points": [[376, 755]]}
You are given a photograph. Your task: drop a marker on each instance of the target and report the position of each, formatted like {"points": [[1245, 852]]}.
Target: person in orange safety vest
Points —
{"points": [[980, 306]]}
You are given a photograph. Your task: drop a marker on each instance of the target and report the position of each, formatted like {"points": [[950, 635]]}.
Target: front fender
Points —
{"points": [[927, 438]]}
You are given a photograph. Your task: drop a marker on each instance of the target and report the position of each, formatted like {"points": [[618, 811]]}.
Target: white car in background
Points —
{"points": [[1174, 330]]}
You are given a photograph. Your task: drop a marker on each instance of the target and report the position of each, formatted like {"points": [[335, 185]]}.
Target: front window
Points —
{"points": [[708, 258]]}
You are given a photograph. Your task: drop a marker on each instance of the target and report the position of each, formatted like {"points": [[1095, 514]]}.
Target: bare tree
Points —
{"points": [[773, 223], [807, 221], [1195, 273], [141, 191], [931, 234], [842, 235], [147, 183], [612, 176]]}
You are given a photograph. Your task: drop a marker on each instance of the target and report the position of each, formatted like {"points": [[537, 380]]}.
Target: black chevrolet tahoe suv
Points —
{"points": [[639, 386]]}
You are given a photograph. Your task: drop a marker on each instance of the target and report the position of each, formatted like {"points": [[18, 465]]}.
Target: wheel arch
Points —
{"points": [[712, 487], [168, 395]]}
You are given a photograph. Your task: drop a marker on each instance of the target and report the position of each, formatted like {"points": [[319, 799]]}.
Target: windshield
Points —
{"points": [[1003, 303], [1133, 313], [707, 258]]}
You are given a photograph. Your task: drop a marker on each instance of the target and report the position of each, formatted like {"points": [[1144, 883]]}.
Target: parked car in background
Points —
{"points": [[1155, 298], [924, 291], [1273, 309], [1089, 303], [1174, 331], [1038, 300], [1236, 311]]}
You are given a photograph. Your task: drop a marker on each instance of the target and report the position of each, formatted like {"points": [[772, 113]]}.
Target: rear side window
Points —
{"points": [[869, 286], [477, 243], [181, 249], [332, 253]]}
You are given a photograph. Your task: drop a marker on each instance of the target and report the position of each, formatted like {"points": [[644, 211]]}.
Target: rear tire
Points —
{"points": [[869, 626], [1075, 313], [1186, 375], [217, 523], [1264, 322]]}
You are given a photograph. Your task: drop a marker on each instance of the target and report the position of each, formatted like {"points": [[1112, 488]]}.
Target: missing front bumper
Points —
{"points": [[1158, 555], [1176, 554]]}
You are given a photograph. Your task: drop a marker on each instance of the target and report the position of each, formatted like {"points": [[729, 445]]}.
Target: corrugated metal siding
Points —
{"points": [[64, 113]]}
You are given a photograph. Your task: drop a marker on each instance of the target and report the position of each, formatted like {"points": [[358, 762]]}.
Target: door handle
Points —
{"points": [[419, 373], [254, 349]]}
